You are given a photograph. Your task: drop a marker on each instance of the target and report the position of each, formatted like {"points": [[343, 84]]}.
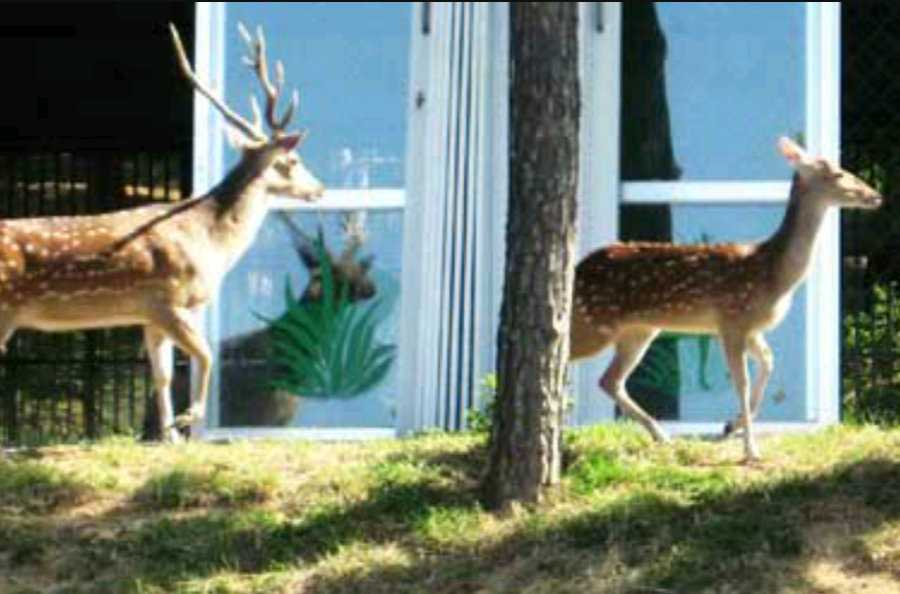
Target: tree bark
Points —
{"points": [[525, 442]]}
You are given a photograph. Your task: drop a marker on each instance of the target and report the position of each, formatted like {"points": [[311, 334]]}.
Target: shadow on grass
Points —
{"points": [[759, 540], [762, 540], [256, 540], [28, 487]]}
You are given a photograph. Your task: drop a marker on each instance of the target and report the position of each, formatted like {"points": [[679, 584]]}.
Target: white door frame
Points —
{"points": [[603, 192]]}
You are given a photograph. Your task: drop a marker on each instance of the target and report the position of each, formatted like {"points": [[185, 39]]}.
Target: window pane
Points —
{"points": [[708, 87], [291, 352], [337, 365], [350, 62], [685, 377]]}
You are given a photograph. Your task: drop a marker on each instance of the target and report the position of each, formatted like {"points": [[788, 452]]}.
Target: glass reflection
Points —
{"points": [[349, 61], [648, 154], [282, 305], [708, 86], [309, 326]]}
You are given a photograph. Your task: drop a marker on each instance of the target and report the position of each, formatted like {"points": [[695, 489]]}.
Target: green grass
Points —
{"points": [[190, 486], [820, 515], [31, 487]]}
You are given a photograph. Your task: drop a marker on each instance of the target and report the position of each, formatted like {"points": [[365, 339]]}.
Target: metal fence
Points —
{"points": [[871, 241], [68, 387]]}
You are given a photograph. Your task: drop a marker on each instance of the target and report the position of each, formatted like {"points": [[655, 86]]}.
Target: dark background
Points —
{"points": [[94, 70]]}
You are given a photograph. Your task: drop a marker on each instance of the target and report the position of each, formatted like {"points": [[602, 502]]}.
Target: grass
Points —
{"points": [[821, 515], [198, 485]]}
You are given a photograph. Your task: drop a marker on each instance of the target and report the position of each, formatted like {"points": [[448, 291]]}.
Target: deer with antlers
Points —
{"points": [[626, 294], [154, 266]]}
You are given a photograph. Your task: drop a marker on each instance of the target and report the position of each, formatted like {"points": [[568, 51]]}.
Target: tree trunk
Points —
{"points": [[533, 339]]}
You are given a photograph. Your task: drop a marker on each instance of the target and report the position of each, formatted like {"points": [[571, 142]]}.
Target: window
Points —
{"points": [[700, 94], [350, 63]]}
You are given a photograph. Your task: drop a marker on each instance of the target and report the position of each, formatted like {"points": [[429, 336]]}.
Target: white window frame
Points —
{"points": [[601, 67], [429, 348], [209, 169]]}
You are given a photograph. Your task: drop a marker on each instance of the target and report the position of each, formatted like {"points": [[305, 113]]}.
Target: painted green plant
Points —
{"points": [[659, 369], [328, 348], [704, 341]]}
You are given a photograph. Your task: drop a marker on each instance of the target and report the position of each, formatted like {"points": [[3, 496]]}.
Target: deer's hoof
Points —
{"points": [[751, 455], [661, 437], [172, 435], [193, 416], [188, 419], [729, 429], [753, 460]]}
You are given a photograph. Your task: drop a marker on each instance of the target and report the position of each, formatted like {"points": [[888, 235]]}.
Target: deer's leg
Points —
{"points": [[736, 348], [159, 349], [760, 351], [762, 354], [630, 348], [179, 326], [7, 327]]}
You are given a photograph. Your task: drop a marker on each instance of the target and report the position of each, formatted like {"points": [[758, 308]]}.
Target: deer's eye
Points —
{"points": [[283, 168]]}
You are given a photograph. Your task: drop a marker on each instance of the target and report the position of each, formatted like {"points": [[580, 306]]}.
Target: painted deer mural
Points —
{"points": [[247, 398]]}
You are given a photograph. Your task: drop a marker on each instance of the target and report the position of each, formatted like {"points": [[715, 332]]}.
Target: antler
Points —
{"points": [[233, 118], [303, 243], [257, 61], [353, 226]]}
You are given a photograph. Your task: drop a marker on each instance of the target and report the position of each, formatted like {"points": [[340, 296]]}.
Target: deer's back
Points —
{"points": [[118, 261], [689, 288]]}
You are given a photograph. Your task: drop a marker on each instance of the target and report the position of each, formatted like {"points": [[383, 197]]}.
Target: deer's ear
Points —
{"points": [[792, 151], [290, 141]]}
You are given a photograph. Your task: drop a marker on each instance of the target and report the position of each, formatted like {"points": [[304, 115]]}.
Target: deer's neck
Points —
{"points": [[239, 205], [246, 178], [793, 245]]}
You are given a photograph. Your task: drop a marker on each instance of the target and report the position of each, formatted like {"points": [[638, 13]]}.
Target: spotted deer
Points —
{"points": [[154, 266], [626, 294]]}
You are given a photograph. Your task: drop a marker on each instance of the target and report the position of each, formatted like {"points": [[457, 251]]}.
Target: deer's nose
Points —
{"points": [[873, 200], [316, 192]]}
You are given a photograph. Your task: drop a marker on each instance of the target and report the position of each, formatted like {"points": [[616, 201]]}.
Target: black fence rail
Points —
{"points": [[73, 386], [871, 241]]}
